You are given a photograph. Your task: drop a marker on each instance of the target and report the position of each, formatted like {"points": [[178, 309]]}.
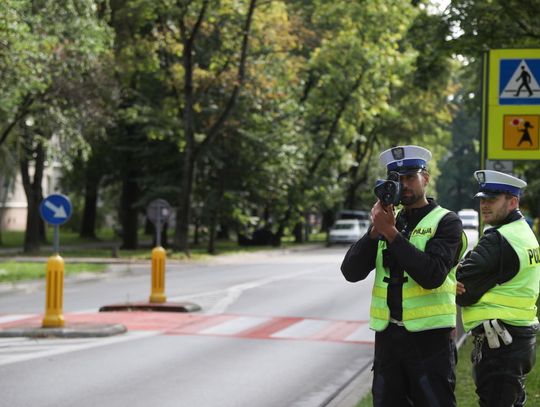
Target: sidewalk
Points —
{"points": [[16, 254]]}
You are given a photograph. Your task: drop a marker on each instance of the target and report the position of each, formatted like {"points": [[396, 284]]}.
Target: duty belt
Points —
{"points": [[492, 331]]}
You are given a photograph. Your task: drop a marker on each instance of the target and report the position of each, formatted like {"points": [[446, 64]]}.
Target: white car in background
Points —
{"points": [[469, 219], [347, 231]]}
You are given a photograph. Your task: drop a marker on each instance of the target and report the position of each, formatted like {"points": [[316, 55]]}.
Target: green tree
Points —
{"points": [[48, 47], [361, 95], [208, 40]]}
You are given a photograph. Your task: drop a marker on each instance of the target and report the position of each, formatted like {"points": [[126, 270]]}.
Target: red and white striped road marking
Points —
{"points": [[240, 326]]}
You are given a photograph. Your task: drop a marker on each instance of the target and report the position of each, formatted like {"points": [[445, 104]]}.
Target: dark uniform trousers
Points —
{"points": [[414, 368], [499, 374]]}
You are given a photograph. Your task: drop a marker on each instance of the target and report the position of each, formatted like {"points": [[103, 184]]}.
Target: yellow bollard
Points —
{"points": [[158, 275], [54, 301]]}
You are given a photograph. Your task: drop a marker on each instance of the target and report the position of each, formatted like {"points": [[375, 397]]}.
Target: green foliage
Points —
{"points": [[457, 185], [326, 86]]}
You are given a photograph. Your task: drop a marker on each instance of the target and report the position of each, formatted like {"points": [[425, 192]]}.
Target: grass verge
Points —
{"points": [[11, 271], [106, 246]]}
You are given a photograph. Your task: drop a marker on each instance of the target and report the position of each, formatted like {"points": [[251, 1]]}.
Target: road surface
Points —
{"points": [[276, 329]]}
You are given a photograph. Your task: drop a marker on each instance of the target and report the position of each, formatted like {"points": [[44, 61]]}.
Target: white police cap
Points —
{"points": [[405, 159], [493, 183]]}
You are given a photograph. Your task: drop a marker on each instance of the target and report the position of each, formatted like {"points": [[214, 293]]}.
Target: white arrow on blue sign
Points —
{"points": [[55, 209]]}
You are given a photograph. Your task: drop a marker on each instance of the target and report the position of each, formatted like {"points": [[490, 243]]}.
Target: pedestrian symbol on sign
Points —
{"points": [[525, 78], [517, 82]]}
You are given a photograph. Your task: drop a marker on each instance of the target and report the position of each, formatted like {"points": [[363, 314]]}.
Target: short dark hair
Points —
{"points": [[509, 196]]}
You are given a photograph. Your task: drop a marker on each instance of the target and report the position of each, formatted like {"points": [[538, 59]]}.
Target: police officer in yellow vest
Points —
{"points": [[498, 289], [413, 309]]}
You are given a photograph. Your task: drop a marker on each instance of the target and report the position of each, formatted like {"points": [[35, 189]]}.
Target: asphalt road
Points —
{"points": [[276, 329]]}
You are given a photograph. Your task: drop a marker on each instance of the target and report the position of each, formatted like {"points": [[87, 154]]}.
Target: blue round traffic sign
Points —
{"points": [[55, 209]]}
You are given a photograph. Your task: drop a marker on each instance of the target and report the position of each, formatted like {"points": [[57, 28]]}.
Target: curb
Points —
{"points": [[352, 391], [72, 331], [148, 306]]}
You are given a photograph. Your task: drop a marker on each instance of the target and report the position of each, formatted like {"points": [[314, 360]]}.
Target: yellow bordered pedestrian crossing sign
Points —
{"points": [[512, 105]]}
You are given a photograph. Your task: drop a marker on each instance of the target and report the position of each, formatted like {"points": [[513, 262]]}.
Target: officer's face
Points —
{"points": [[413, 189], [495, 210]]}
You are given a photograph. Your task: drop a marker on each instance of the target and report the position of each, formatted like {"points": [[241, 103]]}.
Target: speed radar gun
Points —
{"points": [[388, 191]]}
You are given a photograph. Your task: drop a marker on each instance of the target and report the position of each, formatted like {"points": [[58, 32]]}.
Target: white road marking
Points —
{"points": [[235, 326], [229, 295], [40, 348], [302, 329], [11, 318], [363, 333]]}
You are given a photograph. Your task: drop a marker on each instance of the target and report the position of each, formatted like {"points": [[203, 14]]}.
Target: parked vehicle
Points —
{"points": [[469, 218], [353, 214], [347, 231]]}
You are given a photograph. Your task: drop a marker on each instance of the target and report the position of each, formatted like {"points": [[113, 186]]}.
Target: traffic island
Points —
{"points": [[71, 331], [150, 306]]}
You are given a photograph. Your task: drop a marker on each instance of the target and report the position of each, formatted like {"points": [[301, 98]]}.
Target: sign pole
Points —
{"points": [[56, 239], [55, 210], [158, 228], [158, 212]]}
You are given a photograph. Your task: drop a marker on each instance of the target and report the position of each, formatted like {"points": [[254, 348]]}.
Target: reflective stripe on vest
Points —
{"points": [[422, 308], [513, 302]]}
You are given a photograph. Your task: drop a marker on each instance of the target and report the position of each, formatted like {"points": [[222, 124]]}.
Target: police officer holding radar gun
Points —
{"points": [[498, 289], [413, 310]]}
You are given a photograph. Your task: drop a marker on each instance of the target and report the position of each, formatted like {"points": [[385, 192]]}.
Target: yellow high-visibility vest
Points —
{"points": [[513, 302], [423, 308]]}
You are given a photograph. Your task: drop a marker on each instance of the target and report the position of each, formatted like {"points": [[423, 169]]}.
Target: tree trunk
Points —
{"points": [[298, 232], [88, 221], [212, 233], [350, 200], [196, 230], [327, 220], [188, 115], [224, 232], [149, 228], [165, 235], [34, 196], [183, 215], [307, 229], [281, 227], [128, 213]]}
